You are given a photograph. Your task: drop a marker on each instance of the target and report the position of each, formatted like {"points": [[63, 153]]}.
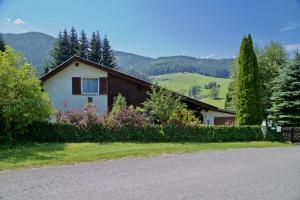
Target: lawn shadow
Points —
{"points": [[31, 151]]}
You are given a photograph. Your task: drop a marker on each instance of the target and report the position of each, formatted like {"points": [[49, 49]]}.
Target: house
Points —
{"points": [[78, 81]]}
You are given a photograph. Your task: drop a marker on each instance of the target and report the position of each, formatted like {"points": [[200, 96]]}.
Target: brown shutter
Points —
{"points": [[76, 85], [102, 85]]}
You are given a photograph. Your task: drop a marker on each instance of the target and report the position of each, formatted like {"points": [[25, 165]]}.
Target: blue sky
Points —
{"points": [[201, 28]]}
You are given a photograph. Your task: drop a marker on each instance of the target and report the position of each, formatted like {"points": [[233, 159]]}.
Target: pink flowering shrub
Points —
{"points": [[126, 116], [85, 117], [89, 115], [72, 117]]}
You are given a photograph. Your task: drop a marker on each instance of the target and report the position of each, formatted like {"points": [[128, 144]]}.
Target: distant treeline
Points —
{"points": [[174, 64]]}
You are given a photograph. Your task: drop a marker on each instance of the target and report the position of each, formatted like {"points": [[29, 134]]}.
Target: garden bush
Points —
{"points": [[273, 135], [184, 117], [161, 104], [85, 117], [126, 116], [22, 100], [119, 103], [60, 132]]}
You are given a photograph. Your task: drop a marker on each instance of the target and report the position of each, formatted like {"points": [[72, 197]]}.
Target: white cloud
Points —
{"points": [[19, 21], [292, 47], [208, 56], [288, 27]]}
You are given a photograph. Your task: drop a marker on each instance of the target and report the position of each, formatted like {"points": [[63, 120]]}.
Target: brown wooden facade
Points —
{"points": [[134, 93]]}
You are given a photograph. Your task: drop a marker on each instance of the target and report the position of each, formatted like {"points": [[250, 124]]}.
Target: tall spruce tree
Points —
{"points": [[285, 100], [248, 92], [83, 45], [56, 53], [108, 57], [61, 50], [2, 43], [74, 43], [66, 46], [96, 48]]}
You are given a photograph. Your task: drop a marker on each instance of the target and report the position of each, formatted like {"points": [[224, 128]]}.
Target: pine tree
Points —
{"points": [[285, 100], [2, 43], [96, 48], [108, 57], [56, 53], [61, 51], [74, 44], [66, 46], [83, 45], [248, 93]]}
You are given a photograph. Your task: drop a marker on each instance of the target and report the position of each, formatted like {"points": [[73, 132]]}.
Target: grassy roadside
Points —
{"points": [[42, 154]]}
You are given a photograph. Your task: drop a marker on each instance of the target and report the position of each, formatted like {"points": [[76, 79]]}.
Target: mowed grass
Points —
{"points": [[42, 154], [183, 81]]}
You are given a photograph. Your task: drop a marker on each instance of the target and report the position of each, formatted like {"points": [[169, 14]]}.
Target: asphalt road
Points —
{"points": [[270, 173]]}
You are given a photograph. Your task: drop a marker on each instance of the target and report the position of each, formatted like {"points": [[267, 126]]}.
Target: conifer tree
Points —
{"points": [[96, 48], [108, 57], [61, 51], [285, 100], [2, 43], [248, 92], [74, 43], [83, 45], [56, 53], [66, 46]]}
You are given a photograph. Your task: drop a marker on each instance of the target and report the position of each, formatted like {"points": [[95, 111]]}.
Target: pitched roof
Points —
{"points": [[127, 77]]}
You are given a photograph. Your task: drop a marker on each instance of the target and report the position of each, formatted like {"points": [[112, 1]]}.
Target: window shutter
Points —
{"points": [[103, 86], [76, 85]]}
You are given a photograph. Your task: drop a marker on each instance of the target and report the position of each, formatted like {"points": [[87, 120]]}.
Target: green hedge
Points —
{"points": [[272, 135], [57, 132]]}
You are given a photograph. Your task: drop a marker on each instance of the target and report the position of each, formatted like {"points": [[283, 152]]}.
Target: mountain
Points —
{"points": [[36, 48], [34, 45], [130, 60]]}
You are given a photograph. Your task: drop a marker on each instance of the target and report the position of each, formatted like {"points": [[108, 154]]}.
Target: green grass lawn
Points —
{"points": [[183, 81], [41, 154]]}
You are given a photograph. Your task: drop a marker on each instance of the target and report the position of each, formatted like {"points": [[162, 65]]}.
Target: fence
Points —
{"points": [[291, 134]]}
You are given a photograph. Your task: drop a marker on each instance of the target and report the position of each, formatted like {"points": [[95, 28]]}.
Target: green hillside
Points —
{"points": [[175, 64], [36, 48], [183, 81], [34, 45]]}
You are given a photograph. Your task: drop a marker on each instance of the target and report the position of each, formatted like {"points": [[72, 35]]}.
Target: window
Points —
{"points": [[90, 99], [90, 86]]}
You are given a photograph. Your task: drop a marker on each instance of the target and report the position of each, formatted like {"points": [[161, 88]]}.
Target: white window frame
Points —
{"points": [[83, 93]]}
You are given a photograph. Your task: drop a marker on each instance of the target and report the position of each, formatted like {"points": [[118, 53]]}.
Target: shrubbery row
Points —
{"points": [[60, 132]]}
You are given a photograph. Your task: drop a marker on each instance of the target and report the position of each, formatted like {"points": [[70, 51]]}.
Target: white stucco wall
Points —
{"points": [[209, 116], [59, 88]]}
